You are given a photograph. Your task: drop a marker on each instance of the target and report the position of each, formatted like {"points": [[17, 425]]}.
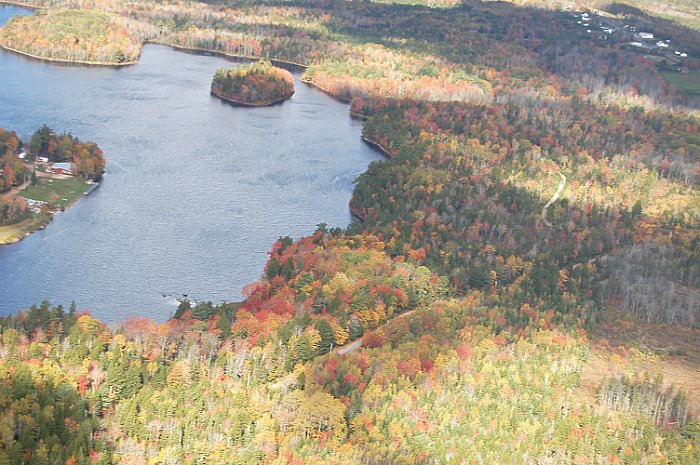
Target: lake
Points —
{"points": [[196, 190]]}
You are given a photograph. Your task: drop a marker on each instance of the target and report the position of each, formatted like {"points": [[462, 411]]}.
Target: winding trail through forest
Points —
{"points": [[357, 343], [554, 198], [289, 379]]}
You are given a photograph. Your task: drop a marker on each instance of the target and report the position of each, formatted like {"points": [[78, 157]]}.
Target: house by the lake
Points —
{"points": [[62, 168]]}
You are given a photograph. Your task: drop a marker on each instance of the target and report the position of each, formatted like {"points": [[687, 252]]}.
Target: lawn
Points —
{"points": [[58, 192], [685, 83]]}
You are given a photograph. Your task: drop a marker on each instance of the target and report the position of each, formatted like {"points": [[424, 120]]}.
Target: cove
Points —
{"points": [[196, 190]]}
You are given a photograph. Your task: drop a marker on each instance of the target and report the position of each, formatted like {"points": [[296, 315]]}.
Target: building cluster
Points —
{"points": [[627, 34]]}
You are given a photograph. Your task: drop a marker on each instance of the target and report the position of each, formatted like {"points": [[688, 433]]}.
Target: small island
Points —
{"points": [[87, 37], [38, 178], [259, 84]]}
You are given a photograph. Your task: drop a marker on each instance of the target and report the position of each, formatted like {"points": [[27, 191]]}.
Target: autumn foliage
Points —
{"points": [[88, 36], [536, 175], [256, 85]]}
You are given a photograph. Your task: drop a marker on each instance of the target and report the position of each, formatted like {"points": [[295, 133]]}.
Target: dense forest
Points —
{"points": [[521, 284], [443, 381], [257, 84], [474, 178]]}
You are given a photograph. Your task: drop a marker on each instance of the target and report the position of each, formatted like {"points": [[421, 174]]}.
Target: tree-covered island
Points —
{"points": [[258, 84]]}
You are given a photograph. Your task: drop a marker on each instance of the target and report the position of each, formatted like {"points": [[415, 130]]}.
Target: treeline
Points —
{"points": [[381, 73], [259, 83], [657, 281], [646, 396], [12, 166], [12, 173]]}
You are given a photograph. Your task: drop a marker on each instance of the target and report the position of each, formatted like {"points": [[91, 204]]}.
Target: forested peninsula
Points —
{"points": [[258, 84], [88, 37], [46, 174], [524, 287]]}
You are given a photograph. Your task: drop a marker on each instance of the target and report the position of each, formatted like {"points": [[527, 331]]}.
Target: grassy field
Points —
{"points": [[685, 83], [58, 192]]}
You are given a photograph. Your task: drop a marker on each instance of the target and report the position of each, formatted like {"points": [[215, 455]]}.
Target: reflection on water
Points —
{"points": [[196, 190]]}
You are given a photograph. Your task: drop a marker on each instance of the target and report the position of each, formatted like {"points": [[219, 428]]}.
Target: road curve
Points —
{"points": [[554, 198], [357, 343]]}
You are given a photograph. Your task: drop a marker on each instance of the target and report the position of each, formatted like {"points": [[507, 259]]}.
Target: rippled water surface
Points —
{"points": [[196, 190]]}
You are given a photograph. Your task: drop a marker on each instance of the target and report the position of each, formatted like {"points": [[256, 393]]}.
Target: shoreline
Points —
{"points": [[358, 115], [378, 146], [65, 61], [221, 53], [21, 5], [14, 233], [354, 211], [324, 90], [264, 103]]}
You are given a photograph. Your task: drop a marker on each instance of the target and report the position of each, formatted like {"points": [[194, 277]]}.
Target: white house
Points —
{"points": [[646, 35], [662, 44]]}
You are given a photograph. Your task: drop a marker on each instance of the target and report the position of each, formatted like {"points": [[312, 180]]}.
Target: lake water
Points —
{"points": [[196, 190]]}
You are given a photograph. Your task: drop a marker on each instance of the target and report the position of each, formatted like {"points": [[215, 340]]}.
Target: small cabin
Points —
{"points": [[646, 35]]}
